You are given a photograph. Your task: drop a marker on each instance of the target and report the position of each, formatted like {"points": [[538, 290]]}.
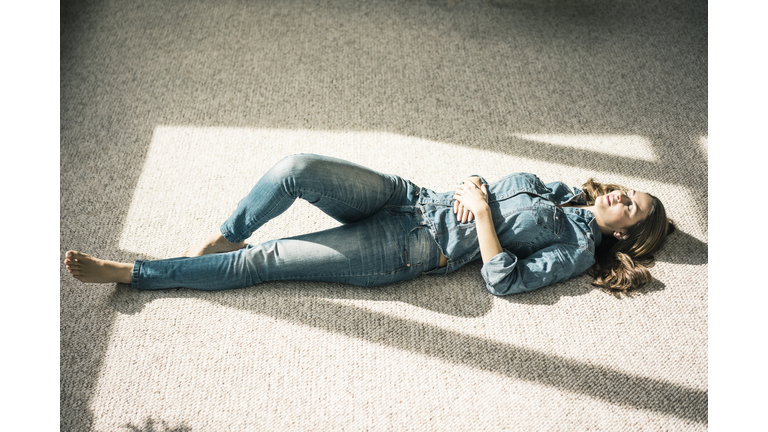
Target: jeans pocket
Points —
{"points": [[421, 247]]}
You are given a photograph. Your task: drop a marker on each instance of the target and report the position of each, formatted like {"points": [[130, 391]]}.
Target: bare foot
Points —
{"points": [[86, 268], [216, 243]]}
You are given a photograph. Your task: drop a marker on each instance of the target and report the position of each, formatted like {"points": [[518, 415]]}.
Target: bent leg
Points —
{"points": [[345, 191]]}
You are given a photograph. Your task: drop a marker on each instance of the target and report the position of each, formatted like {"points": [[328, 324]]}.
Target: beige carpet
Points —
{"points": [[171, 110]]}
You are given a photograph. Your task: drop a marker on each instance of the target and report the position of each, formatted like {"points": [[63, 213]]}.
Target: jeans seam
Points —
{"points": [[351, 274], [368, 214]]}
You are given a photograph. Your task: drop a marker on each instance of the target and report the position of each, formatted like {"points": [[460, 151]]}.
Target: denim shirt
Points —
{"points": [[543, 244]]}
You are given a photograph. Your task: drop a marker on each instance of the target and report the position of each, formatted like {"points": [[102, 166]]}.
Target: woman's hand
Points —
{"points": [[470, 200], [471, 203]]}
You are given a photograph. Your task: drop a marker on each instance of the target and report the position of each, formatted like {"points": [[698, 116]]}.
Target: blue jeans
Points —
{"points": [[383, 238]]}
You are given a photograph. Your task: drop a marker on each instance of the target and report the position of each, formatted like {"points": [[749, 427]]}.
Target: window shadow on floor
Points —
{"points": [[601, 383], [473, 75]]}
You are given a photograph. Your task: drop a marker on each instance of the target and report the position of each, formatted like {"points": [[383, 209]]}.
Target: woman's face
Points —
{"points": [[619, 210]]}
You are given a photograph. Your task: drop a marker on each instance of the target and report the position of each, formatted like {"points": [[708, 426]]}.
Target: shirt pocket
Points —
{"points": [[549, 217]]}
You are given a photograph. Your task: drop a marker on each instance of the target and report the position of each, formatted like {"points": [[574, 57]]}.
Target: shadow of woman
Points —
{"points": [[575, 287], [683, 248]]}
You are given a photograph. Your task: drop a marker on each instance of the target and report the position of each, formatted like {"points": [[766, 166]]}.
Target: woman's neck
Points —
{"points": [[584, 206]]}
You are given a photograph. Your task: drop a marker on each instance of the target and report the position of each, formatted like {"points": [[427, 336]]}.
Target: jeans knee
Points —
{"points": [[247, 263], [291, 169], [294, 165]]}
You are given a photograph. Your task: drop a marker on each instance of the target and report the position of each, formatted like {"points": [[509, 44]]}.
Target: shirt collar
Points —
{"points": [[588, 219]]}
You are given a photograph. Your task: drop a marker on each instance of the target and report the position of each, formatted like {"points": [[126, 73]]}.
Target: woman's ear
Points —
{"points": [[620, 235]]}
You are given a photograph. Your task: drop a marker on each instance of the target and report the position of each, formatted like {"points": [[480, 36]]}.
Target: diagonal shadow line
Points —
{"points": [[692, 168], [599, 382], [591, 160]]}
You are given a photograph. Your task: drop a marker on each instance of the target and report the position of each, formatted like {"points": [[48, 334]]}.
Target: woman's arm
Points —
{"points": [[486, 235], [474, 198], [507, 274]]}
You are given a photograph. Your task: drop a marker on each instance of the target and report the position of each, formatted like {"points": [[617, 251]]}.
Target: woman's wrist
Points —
{"points": [[484, 211]]}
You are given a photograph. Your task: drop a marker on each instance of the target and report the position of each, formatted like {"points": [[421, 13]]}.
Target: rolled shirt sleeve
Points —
{"points": [[506, 274]]}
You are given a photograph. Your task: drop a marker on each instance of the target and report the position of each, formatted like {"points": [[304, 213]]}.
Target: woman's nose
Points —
{"points": [[623, 197]]}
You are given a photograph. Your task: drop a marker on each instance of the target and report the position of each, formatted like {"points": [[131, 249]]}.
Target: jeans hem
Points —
{"points": [[226, 234], [135, 274], [230, 237]]}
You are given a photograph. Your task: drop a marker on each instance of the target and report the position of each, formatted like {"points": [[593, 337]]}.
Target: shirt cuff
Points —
{"points": [[498, 271]]}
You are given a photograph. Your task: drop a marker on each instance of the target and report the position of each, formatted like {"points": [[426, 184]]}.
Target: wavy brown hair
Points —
{"points": [[621, 265]]}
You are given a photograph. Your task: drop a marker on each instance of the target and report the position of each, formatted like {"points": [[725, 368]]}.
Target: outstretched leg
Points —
{"points": [[382, 249]]}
